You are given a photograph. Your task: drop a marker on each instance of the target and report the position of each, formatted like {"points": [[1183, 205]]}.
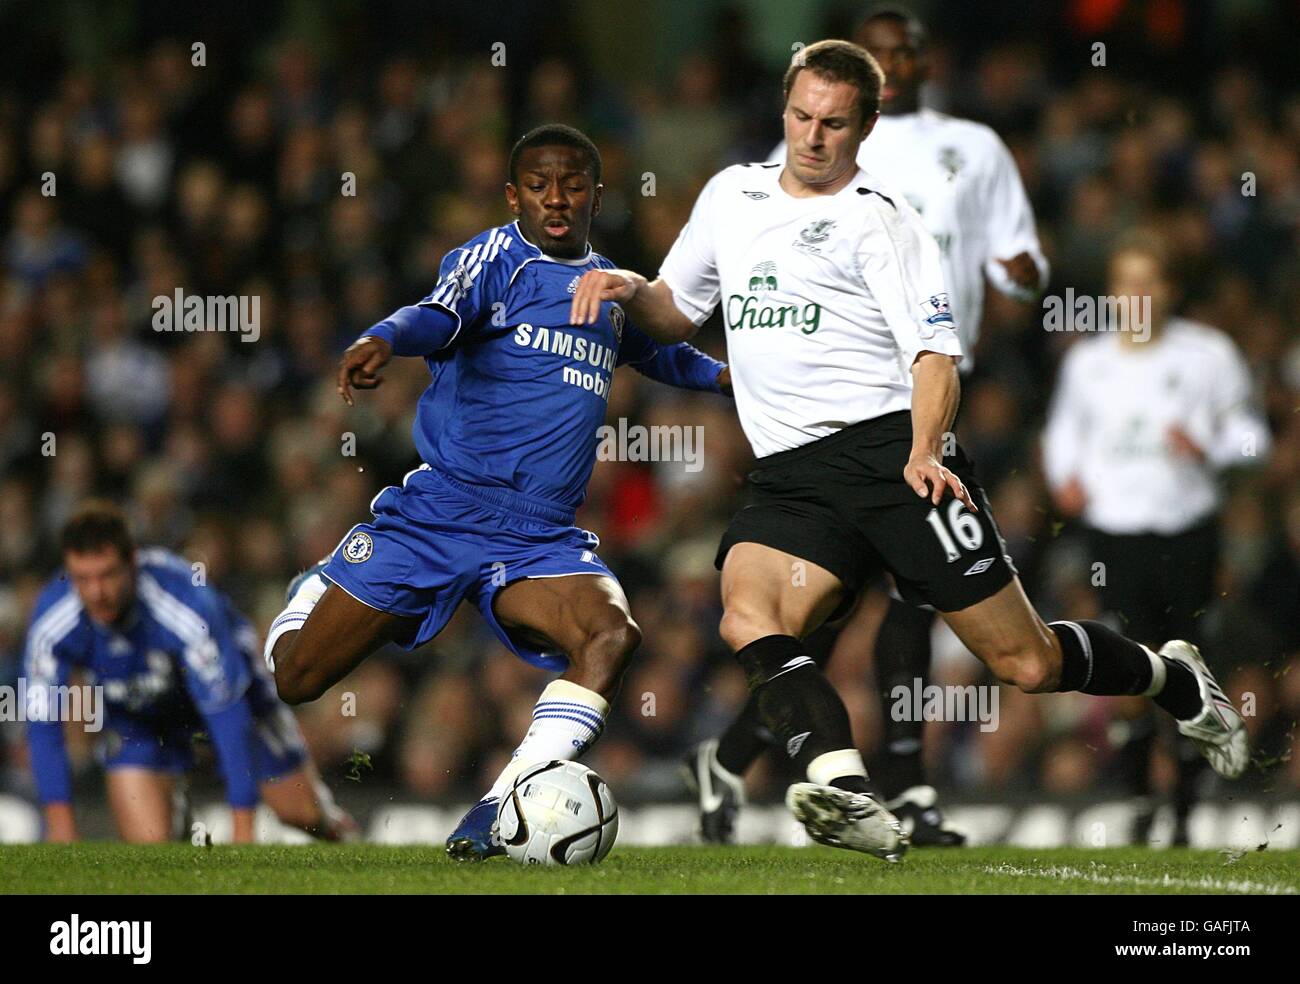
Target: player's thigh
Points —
{"points": [[141, 801], [567, 612], [766, 591], [339, 633]]}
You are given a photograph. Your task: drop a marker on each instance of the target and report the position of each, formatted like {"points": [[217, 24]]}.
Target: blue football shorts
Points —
{"points": [[436, 541]]}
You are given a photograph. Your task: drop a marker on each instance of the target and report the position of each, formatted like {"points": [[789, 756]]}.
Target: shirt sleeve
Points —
{"points": [[216, 674], [233, 735], [1067, 423], [416, 330], [902, 268], [44, 669], [681, 365], [691, 269], [217, 678], [1238, 435], [465, 290], [1011, 225]]}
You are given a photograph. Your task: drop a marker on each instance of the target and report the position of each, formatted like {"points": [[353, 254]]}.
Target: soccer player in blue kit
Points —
{"points": [[507, 431], [171, 659]]}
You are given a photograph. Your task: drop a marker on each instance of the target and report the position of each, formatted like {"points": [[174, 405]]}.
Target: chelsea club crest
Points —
{"points": [[616, 318], [359, 548]]}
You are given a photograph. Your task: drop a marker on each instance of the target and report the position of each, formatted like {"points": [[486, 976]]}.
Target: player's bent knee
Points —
{"points": [[739, 627], [291, 683], [1027, 671], [614, 644]]}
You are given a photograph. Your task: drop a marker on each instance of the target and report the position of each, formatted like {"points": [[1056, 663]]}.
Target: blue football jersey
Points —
{"points": [[518, 394], [174, 661]]}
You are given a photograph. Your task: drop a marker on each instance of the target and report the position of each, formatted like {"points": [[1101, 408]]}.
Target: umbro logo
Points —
{"points": [[794, 744], [758, 196], [980, 566]]}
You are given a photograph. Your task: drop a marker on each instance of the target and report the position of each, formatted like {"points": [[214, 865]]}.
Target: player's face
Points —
{"points": [[904, 66], [555, 200], [105, 581], [1136, 276], [823, 130]]}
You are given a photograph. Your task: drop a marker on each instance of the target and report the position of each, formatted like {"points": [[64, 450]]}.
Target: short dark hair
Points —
{"points": [[95, 525], [551, 135], [904, 18], [840, 61]]}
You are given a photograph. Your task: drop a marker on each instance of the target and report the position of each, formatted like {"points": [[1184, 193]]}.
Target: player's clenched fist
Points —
{"points": [[360, 366], [602, 285]]}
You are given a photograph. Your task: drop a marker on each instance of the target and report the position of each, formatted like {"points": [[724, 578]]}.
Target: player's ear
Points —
{"points": [[512, 198], [870, 125], [595, 200]]}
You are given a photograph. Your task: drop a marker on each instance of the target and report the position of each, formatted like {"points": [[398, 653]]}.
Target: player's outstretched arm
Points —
{"points": [[46, 671], [648, 303], [682, 365], [935, 393], [415, 330]]}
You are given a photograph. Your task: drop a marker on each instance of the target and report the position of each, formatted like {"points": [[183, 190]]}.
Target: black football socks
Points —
{"points": [[1098, 660]]}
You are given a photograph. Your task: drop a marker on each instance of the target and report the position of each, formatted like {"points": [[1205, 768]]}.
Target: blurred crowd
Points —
{"points": [[239, 453]]}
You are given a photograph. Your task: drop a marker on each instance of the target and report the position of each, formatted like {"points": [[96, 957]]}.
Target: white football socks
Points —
{"points": [[829, 766], [294, 614], [566, 722], [1159, 673]]}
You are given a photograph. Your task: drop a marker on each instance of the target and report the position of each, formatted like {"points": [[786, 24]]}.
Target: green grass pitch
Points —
{"points": [[101, 868]]}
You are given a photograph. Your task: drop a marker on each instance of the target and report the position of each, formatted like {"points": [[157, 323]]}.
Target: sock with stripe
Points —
{"points": [[1098, 660], [294, 615], [566, 722], [748, 737], [800, 707]]}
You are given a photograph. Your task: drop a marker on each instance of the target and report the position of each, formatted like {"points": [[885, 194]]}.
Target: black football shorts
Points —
{"points": [[842, 504]]}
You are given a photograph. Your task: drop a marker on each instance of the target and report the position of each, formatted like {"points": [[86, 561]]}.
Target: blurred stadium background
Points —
{"points": [[225, 178]]}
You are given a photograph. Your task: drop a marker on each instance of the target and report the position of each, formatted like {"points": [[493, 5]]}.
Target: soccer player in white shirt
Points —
{"points": [[844, 357], [1143, 421], [963, 181]]}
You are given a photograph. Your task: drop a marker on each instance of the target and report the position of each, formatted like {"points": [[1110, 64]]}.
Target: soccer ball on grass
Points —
{"points": [[558, 813]]}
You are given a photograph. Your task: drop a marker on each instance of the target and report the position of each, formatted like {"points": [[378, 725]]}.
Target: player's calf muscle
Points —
{"points": [[600, 661]]}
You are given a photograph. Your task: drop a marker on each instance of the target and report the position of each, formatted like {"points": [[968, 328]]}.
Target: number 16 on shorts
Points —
{"points": [[961, 531]]}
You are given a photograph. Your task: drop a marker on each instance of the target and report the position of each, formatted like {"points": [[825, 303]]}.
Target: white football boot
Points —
{"points": [[838, 818], [1218, 730]]}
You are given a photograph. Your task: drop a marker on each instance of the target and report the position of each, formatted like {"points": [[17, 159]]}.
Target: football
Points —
{"points": [[558, 813]]}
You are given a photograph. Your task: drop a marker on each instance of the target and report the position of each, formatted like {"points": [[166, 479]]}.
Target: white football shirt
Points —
{"points": [[827, 300], [962, 179], [1110, 419]]}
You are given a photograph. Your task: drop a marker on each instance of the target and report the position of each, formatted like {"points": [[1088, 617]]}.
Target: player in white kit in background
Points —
{"points": [[962, 179], [843, 353], [1143, 422]]}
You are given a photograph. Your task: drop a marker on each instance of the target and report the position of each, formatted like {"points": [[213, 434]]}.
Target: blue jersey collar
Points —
{"points": [[542, 255]]}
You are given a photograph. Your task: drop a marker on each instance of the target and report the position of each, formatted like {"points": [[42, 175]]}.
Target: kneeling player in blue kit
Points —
{"points": [[508, 432], [171, 659]]}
